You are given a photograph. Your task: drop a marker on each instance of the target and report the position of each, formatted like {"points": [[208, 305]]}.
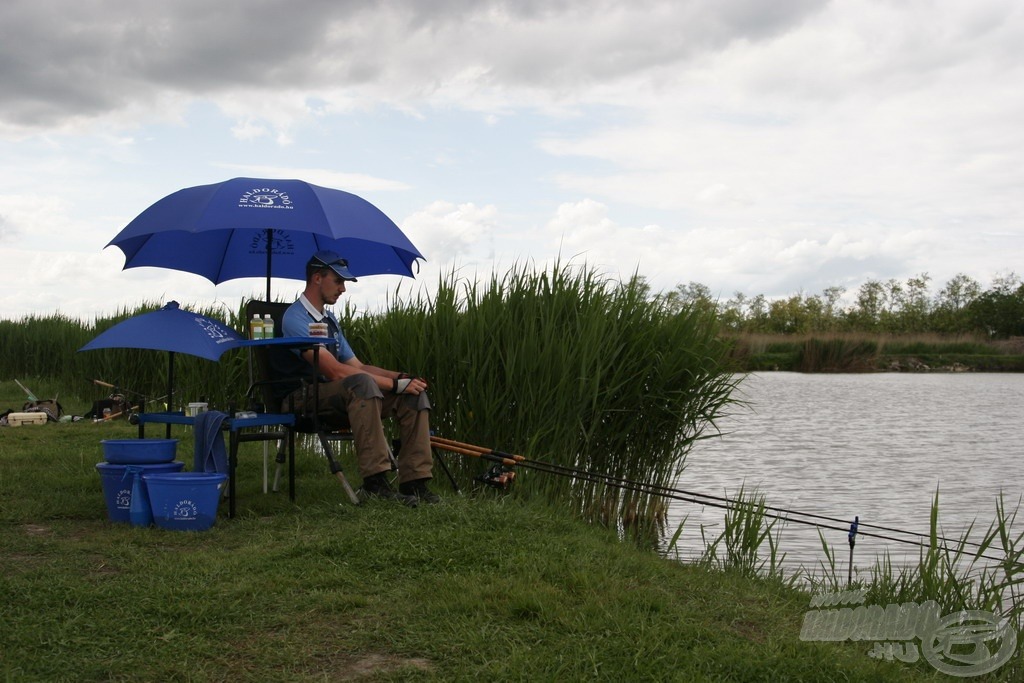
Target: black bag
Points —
{"points": [[106, 407]]}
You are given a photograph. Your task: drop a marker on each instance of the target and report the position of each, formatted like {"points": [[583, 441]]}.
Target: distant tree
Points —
{"points": [[949, 313], [788, 316], [867, 313], [757, 314], [831, 297], [690, 295], [1000, 310], [916, 304], [892, 306], [1006, 283], [732, 313]]}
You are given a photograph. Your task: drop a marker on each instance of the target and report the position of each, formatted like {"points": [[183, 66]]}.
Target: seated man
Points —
{"points": [[356, 394]]}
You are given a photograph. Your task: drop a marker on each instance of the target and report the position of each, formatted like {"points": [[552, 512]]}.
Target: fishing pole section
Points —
{"points": [[506, 463], [118, 404]]}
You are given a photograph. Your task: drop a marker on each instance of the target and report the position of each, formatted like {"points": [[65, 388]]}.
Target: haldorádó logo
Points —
{"points": [[967, 643], [265, 198], [970, 643], [185, 510]]}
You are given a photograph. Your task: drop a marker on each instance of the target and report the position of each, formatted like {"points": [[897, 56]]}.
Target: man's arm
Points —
{"points": [[387, 380]]}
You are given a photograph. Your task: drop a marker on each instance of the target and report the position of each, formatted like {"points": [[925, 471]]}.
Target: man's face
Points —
{"points": [[332, 286]]}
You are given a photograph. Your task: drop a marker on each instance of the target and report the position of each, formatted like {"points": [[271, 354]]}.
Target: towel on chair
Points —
{"points": [[210, 453]]}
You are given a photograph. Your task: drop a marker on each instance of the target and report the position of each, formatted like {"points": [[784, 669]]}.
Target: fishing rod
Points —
{"points": [[512, 460], [115, 389], [652, 488]]}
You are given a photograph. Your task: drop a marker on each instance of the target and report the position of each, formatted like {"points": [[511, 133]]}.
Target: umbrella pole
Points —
{"points": [[170, 391], [270, 253]]}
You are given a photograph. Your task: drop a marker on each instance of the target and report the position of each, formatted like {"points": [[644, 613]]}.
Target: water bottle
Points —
{"points": [[268, 327], [256, 327]]}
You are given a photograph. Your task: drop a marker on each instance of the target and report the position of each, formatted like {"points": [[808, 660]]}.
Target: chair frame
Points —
{"points": [[306, 421]]}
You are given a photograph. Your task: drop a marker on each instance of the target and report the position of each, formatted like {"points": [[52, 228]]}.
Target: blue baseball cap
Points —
{"points": [[330, 259]]}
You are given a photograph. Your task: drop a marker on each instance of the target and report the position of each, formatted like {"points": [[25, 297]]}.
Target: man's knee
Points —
{"points": [[418, 402], [361, 386]]}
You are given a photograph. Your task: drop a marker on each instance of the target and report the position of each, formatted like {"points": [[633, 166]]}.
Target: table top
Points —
{"points": [[178, 418], [289, 341]]}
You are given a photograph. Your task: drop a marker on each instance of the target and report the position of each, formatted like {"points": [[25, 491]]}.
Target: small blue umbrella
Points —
{"points": [[255, 227], [169, 329]]}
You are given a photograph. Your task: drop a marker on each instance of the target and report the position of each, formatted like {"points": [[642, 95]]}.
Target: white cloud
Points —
{"points": [[761, 147], [445, 232], [352, 182]]}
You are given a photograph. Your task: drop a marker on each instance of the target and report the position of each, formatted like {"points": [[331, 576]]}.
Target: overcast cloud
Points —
{"points": [[752, 146]]}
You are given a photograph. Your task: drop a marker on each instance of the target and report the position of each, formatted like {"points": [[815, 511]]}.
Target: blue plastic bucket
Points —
{"points": [[117, 485], [139, 451], [184, 501]]}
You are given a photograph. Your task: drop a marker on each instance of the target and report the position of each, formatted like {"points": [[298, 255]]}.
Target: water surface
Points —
{"points": [[877, 446]]}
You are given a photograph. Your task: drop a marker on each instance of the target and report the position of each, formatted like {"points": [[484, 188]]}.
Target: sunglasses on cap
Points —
{"points": [[320, 263]]}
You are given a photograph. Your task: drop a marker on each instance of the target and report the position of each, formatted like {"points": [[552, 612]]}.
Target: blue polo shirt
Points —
{"points": [[296, 324], [287, 366]]}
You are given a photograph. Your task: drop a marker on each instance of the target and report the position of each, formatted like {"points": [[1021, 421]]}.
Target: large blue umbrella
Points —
{"points": [[169, 329], [254, 227]]}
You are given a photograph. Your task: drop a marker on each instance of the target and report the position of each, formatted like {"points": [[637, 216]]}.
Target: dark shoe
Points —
{"points": [[377, 486], [418, 488]]}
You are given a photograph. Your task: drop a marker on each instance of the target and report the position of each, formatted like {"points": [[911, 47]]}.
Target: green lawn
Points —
{"points": [[482, 587]]}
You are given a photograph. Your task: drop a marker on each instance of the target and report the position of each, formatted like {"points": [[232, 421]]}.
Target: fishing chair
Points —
{"points": [[307, 420]]}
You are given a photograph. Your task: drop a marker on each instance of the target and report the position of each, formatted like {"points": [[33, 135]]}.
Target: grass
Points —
{"points": [[484, 586]]}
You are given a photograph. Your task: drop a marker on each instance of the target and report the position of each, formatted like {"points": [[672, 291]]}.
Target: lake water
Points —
{"points": [[877, 446]]}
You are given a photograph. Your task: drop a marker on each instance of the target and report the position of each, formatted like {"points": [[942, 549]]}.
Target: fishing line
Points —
{"points": [[722, 502]]}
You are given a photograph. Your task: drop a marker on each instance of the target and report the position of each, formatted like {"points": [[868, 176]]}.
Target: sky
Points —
{"points": [[769, 148]]}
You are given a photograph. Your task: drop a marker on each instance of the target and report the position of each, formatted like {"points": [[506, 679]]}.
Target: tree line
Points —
{"points": [[908, 306]]}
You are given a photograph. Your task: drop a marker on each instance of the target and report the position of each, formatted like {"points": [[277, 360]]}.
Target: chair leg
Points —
{"points": [[444, 466], [290, 436], [279, 461], [232, 465], [336, 469]]}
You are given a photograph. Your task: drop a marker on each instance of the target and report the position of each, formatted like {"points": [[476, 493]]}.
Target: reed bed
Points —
{"points": [[568, 367], [837, 355]]}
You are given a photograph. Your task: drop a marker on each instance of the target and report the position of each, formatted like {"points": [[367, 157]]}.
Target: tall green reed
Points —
{"points": [[567, 366], [836, 354], [747, 528]]}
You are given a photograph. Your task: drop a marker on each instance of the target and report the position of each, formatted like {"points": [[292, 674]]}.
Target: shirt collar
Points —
{"points": [[313, 313]]}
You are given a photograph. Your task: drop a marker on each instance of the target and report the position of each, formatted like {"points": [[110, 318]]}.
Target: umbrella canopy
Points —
{"points": [[169, 329], [255, 227]]}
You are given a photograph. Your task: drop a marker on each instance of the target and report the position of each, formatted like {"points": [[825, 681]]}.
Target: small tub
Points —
{"points": [[184, 501], [139, 451]]}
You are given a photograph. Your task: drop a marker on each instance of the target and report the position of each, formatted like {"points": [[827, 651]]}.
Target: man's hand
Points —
{"points": [[404, 384]]}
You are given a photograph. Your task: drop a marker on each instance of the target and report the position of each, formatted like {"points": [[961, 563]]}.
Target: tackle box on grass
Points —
{"points": [[19, 419]]}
